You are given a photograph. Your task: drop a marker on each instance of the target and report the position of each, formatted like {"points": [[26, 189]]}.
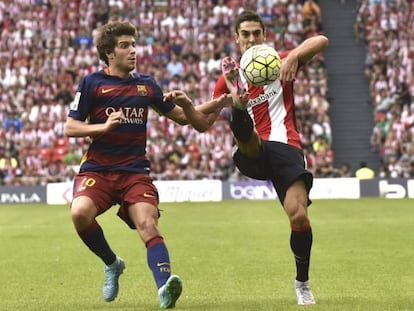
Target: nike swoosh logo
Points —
{"points": [[147, 195], [159, 264], [107, 90]]}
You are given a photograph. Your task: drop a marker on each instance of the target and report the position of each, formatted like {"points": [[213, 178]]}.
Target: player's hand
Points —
{"points": [[114, 119], [225, 101], [289, 68], [179, 98]]}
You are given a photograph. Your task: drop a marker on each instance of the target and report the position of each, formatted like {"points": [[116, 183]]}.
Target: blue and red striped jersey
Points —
{"points": [[124, 147]]}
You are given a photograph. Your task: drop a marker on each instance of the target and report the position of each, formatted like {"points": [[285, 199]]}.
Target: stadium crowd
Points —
{"points": [[47, 47], [385, 27]]}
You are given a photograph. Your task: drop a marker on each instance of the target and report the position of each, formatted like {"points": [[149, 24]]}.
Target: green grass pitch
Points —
{"points": [[231, 255]]}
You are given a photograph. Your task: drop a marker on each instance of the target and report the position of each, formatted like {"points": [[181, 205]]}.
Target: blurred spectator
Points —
{"points": [[175, 67], [383, 101], [174, 18], [72, 156], [8, 168], [364, 172], [13, 121], [83, 39], [394, 167], [55, 171], [345, 170], [45, 134]]}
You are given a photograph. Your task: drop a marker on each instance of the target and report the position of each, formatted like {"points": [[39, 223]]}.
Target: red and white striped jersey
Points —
{"points": [[272, 109]]}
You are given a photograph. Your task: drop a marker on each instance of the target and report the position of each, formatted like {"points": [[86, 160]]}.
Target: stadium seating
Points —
{"points": [[386, 29], [45, 50]]}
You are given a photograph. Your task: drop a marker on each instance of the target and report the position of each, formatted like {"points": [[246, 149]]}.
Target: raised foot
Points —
{"points": [[231, 72]]}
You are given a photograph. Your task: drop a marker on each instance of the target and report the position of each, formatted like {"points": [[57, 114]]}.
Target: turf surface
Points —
{"points": [[231, 255]]}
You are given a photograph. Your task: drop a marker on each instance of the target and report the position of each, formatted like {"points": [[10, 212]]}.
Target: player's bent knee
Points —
{"points": [[80, 215], [299, 220], [251, 149], [297, 213], [147, 228], [83, 213]]}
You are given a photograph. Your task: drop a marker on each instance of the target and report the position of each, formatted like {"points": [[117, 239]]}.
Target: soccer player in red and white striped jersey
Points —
{"points": [[269, 148]]}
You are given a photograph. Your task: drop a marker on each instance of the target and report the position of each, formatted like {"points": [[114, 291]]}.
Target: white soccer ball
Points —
{"points": [[260, 65]]}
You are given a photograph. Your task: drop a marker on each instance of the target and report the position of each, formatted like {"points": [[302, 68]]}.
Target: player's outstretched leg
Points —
{"points": [[230, 69], [112, 274], [303, 293], [170, 292]]}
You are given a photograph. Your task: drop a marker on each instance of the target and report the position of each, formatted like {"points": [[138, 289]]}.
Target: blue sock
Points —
{"points": [[158, 260], [95, 240]]}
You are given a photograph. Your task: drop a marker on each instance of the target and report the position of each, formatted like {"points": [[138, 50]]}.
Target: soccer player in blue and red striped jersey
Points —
{"points": [[111, 107]]}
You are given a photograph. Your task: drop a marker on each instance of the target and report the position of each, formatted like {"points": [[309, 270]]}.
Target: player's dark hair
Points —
{"points": [[108, 34], [248, 16]]}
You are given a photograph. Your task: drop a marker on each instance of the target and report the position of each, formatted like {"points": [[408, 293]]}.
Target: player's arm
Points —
{"points": [[76, 128], [301, 55], [201, 117]]}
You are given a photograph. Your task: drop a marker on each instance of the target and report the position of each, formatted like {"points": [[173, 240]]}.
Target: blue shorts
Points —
{"points": [[280, 163]]}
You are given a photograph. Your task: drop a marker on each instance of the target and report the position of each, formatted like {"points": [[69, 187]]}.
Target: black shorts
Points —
{"points": [[280, 163]]}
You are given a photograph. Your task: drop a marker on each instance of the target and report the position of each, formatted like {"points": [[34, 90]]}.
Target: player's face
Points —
{"points": [[250, 33], [124, 56]]}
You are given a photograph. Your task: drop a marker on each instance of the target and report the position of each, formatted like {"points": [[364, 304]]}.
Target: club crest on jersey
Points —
{"points": [[142, 90]]}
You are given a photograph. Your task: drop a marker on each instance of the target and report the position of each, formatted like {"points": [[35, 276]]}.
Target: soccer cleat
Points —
{"points": [[112, 273], [304, 293], [230, 69], [170, 292]]}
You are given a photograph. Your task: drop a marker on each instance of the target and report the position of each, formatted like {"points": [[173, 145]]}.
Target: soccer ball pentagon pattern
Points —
{"points": [[260, 65]]}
